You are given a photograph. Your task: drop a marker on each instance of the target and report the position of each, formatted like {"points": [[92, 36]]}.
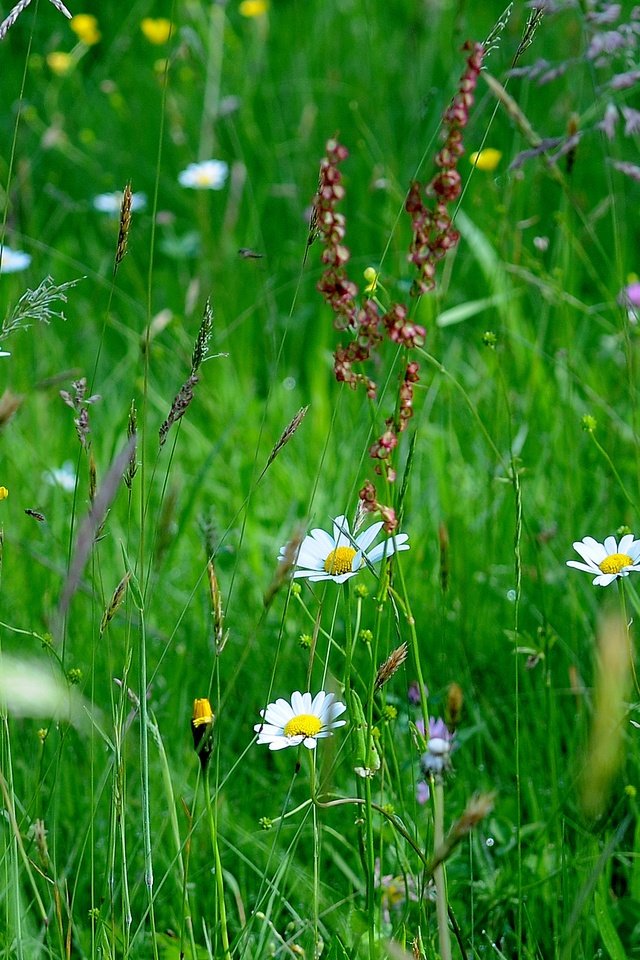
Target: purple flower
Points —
{"points": [[440, 745], [413, 693], [422, 792], [630, 295]]}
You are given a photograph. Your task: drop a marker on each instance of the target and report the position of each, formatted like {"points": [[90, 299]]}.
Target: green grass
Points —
{"points": [[495, 454]]}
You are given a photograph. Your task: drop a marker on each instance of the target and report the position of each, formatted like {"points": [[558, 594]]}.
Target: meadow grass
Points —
{"points": [[125, 602]]}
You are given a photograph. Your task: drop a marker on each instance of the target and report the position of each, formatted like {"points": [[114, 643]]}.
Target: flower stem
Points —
{"points": [[316, 848], [213, 828], [439, 876]]}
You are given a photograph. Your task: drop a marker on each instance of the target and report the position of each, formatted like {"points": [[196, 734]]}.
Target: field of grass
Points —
{"points": [[170, 418]]}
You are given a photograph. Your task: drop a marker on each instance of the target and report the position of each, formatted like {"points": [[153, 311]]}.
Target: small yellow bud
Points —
{"points": [[60, 63], [157, 30], [4, 493], [487, 159], [85, 27], [371, 276]]}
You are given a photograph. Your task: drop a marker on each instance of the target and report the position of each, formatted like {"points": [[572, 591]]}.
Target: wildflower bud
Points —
{"points": [[453, 707], [371, 276], [202, 730], [305, 640], [489, 339], [74, 676], [4, 493], [589, 423]]}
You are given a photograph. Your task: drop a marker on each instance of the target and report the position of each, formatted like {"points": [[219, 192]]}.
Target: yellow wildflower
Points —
{"points": [[253, 8], [157, 30], [85, 27], [4, 493], [487, 159], [202, 730], [60, 63]]}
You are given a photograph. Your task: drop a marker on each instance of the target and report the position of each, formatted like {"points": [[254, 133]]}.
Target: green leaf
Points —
{"points": [[610, 938]]}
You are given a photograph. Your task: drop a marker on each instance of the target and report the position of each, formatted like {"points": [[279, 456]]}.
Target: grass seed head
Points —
{"points": [[391, 665], [115, 602], [125, 224]]}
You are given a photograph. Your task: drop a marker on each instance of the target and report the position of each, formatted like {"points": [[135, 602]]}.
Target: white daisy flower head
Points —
{"points": [[208, 175], [339, 556], [302, 720], [12, 261], [608, 560], [112, 202]]}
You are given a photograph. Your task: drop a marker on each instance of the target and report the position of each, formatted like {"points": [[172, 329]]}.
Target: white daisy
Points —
{"points": [[303, 720], [208, 175], [112, 202], [11, 261], [338, 557], [608, 560]]}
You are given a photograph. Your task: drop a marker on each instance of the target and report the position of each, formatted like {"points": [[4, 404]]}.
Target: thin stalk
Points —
{"points": [[439, 875], [144, 765], [370, 855], [625, 619], [212, 84], [316, 849], [213, 830]]}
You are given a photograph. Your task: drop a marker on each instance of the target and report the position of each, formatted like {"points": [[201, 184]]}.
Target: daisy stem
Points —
{"points": [[316, 847], [439, 876], [625, 618], [213, 829]]}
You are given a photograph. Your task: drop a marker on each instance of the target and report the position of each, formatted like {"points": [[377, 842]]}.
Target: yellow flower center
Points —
{"points": [[203, 177], [340, 561], [615, 562], [305, 724]]}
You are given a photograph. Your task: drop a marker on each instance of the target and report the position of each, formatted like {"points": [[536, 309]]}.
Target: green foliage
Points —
{"points": [[523, 439]]}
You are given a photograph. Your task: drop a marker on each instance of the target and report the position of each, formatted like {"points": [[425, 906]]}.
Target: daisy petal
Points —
{"points": [[368, 536], [588, 568]]}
